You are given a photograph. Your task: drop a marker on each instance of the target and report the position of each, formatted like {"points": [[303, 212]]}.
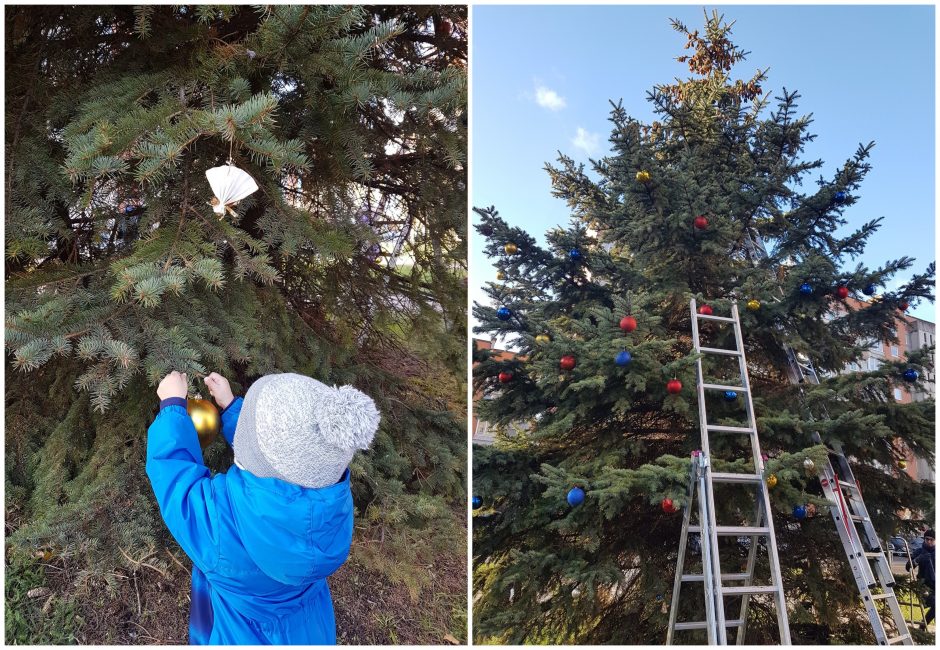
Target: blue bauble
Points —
{"points": [[575, 496], [806, 288], [730, 396], [131, 209], [869, 290], [477, 502], [503, 313], [574, 254], [799, 512], [841, 197], [911, 375], [623, 358]]}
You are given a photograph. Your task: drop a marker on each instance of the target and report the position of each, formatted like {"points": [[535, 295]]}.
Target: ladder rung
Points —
{"points": [[880, 596], [848, 486], [701, 625], [730, 353], [698, 577], [723, 319], [727, 477], [752, 589], [728, 531], [723, 387], [858, 518], [895, 639], [721, 427], [741, 530], [875, 556]]}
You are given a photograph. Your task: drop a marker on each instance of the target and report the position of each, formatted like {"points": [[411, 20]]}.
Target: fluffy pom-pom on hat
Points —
{"points": [[348, 419]]}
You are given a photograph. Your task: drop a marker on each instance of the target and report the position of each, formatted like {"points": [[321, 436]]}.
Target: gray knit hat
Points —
{"points": [[296, 429]]}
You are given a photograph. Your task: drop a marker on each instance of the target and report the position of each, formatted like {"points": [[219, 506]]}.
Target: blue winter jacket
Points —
{"points": [[261, 548]]}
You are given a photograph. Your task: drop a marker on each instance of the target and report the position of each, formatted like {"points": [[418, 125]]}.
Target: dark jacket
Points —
{"points": [[924, 559]]}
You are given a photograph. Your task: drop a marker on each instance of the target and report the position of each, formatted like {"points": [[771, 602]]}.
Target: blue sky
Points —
{"points": [[542, 77]]}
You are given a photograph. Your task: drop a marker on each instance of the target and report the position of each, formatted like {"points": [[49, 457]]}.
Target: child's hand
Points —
{"points": [[219, 389], [173, 385]]}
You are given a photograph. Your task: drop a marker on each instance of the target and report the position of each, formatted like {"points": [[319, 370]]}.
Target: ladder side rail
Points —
{"points": [[702, 415], [712, 524], [705, 541], [709, 523]]}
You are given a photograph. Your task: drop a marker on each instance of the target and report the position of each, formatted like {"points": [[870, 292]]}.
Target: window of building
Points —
{"points": [[897, 394], [482, 427], [894, 351], [873, 363]]}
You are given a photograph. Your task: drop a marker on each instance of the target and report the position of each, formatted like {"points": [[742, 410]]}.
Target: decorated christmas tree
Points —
{"points": [[125, 261], [578, 509]]}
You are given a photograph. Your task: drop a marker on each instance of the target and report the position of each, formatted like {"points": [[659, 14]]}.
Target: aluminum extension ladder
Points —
{"points": [[716, 623], [870, 567]]}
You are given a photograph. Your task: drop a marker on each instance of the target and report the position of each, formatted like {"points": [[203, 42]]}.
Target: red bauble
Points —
{"points": [[700, 222], [842, 292], [567, 362], [668, 506], [903, 305], [628, 324], [705, 310], [674, 387], [505, 377]]}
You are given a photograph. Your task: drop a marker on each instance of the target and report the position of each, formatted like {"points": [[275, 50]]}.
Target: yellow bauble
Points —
{"points": [[500, 275], [902, 464], [205, 417], [643, 176], [772, 480], [753, 305], [510, 248], [542, 339]]}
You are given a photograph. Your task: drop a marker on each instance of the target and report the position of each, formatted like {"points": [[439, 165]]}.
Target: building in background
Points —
{"points": [[912, 334]]}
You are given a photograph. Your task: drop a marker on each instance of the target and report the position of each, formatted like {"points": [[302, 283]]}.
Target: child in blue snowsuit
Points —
{"points": [[264, 536]]}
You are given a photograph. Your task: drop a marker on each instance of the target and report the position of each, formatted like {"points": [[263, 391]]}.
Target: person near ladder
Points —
{"points": [[923, 558]]}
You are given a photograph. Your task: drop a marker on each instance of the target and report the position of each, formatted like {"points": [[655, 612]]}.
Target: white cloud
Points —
{"points": [[548, 98], [586, 141]]}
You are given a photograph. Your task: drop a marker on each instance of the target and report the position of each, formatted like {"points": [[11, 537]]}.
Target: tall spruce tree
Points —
{"points": [[602, 571], [348, 264]]}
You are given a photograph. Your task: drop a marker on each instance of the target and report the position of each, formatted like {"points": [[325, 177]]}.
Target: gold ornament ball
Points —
{"points": [[511, 249], [753, 305], [772, 480], [500, 275], [902, 464], [809, 466], [542, 339], [811, 510], [205, 417], [643, 176]]}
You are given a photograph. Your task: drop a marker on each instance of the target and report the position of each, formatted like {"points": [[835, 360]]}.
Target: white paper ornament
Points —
{"points": [[230, 185]]}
